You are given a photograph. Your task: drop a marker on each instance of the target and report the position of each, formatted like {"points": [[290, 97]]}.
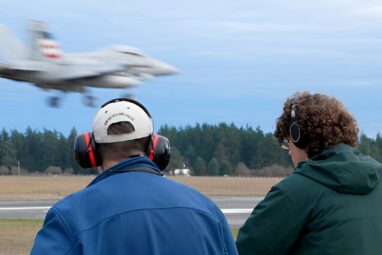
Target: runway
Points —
{"points": [[236, 209]]}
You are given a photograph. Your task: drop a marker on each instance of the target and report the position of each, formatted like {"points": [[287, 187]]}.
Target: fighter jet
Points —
{"points": [[45, 65]]}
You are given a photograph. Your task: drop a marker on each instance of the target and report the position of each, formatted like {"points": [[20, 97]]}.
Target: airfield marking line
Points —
{"points": [[24, 208], [225, 211], [237, 210]]}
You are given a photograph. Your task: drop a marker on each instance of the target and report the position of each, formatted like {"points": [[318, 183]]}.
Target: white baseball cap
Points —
{"points": [[121, 111]]}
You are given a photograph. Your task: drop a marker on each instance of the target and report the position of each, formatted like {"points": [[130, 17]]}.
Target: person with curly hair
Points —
{"points": [[331, 203]]}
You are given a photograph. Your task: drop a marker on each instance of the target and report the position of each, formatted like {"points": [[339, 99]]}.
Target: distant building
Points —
{"points": [[182, 172]]}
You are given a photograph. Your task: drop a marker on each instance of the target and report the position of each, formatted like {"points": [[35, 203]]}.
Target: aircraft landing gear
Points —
{"points": [[90, 101], [54, 102], [128, 95]]}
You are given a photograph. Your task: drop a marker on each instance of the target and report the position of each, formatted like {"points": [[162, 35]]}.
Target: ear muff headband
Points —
{"points": [[152, 147], [294, 128], [90, 149], [128, 100]]}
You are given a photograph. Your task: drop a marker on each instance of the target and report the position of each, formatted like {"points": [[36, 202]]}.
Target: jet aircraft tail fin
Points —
{"points": [[11, 48], [43, 44]]}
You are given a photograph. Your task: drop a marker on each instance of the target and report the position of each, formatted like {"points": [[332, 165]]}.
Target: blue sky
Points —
{"points": [[239, 60]]}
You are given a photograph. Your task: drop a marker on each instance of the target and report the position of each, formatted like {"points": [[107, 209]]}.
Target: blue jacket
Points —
{"points": [[123, 212]]}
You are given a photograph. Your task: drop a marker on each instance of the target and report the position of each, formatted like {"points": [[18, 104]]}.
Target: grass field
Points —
{"points": [[17, 236], [56, 187]]}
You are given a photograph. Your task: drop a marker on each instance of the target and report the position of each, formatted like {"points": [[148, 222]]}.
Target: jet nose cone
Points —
{"points": [[169, 69], [165, 69]]}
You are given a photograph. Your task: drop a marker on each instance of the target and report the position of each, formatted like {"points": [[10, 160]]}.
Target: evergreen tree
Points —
{"points": [[242, 170], [176, 160], [4, 136], [18, 142], [364, 145], [225, 168], [199, 166], [213, 167], [7, 155], [190, 154], [70, 161]]}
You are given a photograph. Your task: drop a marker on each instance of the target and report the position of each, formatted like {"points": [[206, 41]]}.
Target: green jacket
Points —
{"points": [[331, 204]]}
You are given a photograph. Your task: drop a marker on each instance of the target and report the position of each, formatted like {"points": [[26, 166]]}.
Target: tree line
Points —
{"points": [[37, 151], [222, 149]]}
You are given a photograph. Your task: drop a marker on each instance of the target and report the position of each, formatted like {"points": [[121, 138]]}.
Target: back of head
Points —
{"points": [[121, 150], [321, 120], [122, 128]]}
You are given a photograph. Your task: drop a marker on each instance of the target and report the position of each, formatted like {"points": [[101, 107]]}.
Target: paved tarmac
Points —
{"points": [[236, 209]]}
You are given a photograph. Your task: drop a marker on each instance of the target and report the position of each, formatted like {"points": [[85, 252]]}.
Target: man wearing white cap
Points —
{"points": [[130, 208]]}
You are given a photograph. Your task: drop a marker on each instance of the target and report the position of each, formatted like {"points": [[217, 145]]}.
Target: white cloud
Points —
{"points": [[259, 27], [371, 11], [365, 83]]}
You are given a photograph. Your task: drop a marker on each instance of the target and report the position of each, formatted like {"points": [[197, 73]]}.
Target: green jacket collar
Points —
{"points": [[344, 169]]}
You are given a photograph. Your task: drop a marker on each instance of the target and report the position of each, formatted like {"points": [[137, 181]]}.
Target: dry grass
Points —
{"points": [[56, 187], [40, 187], [17, 236], [229, 186]]}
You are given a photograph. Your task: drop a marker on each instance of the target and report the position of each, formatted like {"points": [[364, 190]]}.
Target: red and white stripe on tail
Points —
{"points": [[49, 48]]}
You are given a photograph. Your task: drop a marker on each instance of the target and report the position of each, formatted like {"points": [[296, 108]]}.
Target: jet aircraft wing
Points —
{"points": [[24, 66]]}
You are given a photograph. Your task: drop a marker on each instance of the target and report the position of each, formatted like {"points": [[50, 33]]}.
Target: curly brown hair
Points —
{"points": [[322, 119]]}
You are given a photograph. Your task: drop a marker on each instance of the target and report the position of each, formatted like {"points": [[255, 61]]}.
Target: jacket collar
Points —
{"points": [[344, 169], [128, 165]]}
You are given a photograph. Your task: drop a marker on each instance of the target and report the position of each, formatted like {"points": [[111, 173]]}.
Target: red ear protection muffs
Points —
{"points": [[85, 147], [160, 151], [85, 151]]}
